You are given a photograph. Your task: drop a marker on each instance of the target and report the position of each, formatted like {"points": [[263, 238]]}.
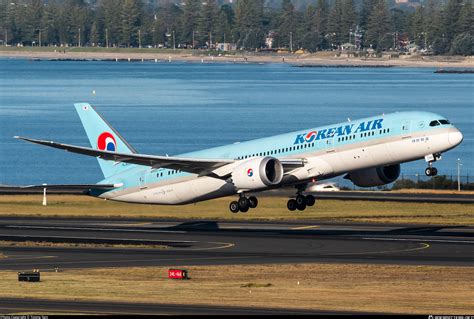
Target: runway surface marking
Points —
{"points": [[132, 224], [20, 257], [422, 240], [109, 238], [424, 246], [98, 229], [224, 245], [305, 227]]}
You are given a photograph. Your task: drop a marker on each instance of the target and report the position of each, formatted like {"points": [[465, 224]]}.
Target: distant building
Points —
{"points": [[226, 46], [270, 39], [407, 3]]}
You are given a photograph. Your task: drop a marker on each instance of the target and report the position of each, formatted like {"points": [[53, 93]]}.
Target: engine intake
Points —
{"points": [[374, 176], [257, 173]]}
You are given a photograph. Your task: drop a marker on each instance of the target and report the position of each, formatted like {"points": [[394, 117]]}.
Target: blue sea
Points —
{"points": [[171, 108]]}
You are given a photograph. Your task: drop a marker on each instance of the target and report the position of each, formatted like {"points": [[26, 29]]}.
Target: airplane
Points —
{"points": [[367, 151]]}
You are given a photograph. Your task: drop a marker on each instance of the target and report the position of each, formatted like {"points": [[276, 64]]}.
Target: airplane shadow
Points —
{"points": [[421, 231]]}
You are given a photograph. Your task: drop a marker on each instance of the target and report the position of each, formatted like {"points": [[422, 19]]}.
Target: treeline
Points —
{"points": [[436, 182], [443, 28]]}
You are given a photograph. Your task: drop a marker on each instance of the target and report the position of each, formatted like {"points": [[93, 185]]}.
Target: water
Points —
{"points": [[172, 108]]}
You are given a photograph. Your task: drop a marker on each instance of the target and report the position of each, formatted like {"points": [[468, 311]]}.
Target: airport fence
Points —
{"points": [[465, 182]]}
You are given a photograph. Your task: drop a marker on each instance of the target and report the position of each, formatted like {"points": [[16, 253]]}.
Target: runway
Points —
{"points": [[217, 243], [14, 305]]}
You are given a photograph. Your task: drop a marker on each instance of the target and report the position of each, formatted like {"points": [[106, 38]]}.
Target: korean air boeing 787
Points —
{"points": [[368, 151]]}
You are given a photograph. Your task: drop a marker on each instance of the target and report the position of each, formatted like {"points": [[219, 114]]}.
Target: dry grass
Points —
{"points": [[341, 287], [270, 208], [4, 243]]}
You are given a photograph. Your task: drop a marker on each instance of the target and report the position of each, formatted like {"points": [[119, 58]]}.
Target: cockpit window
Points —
{"points": [[444, 122], [434, 123]]}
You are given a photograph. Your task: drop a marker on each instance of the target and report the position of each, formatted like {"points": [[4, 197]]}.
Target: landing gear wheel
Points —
{"points": [[291, 205], [244, 204], [234, 207], [301, 200], [431, 171], [301, 207], [253, 201], [310, 200]]}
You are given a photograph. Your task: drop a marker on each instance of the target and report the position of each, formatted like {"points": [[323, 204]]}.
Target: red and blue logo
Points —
{"points": [[106, 142], [250, 172]]}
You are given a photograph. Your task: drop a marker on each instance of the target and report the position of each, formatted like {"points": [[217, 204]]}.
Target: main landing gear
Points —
{"points": [[243, 204], [430, 170], [300, 202]]}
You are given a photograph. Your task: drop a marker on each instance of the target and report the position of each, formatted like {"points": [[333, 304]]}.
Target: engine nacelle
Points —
{"points": [[374, 176], [257, 173]]}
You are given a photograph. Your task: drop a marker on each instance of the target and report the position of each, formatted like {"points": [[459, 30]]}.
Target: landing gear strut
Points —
{"points": [[300, 202], [243, 204], [430, 170]]}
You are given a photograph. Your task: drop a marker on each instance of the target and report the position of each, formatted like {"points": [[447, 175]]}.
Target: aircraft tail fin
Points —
{"points": [[103, 136]]}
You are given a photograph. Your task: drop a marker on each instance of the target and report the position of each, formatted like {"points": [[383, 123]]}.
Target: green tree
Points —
{"points": [[348, 20], [111, 13], [378, 33], [207, 22], [451, 16], [310, 35], [225, 23], [33, 12], [287, 32], [320, 22], [465, 23], [432, 20], [417, 26], [249, 24], [367, 7], [334, 24], [50, 24], [166, 25], [190, 22], [463, 44], [130, 22]]}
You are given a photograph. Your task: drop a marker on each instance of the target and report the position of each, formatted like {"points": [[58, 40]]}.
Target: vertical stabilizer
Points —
{"points": [[103, 136]]}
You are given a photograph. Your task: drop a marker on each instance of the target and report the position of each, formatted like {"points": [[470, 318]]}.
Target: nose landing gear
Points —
{"points": [[430, 170]]}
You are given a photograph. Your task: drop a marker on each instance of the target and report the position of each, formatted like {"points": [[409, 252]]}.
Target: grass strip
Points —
{"points": [[269, 209], [340, 287]]}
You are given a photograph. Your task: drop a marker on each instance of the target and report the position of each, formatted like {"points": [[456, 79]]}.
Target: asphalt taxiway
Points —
{"points": [[15, 305], [214, 243]]}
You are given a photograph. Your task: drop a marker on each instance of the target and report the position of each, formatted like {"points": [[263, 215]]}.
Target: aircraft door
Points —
{"points": [[142, 180], [406, 127]]}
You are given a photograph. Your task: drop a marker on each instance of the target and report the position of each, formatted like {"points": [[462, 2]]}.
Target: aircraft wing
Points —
{"points": [[69, 186], [190, 165]]}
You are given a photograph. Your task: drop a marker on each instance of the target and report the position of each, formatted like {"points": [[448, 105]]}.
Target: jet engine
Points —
{"points": [[374, 176], [257, 173]]}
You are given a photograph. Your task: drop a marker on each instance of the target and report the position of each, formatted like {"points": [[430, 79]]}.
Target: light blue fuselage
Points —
{"points": [[299, 144]]}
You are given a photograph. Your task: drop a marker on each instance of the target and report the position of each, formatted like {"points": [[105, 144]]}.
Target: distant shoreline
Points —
{"points": [[326, 59]]}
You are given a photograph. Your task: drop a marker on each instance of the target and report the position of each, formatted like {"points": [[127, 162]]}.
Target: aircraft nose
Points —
{"points": [[455, 137]]}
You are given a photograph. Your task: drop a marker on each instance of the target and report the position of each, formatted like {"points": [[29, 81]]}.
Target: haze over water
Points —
{"points": [[172, 108]]}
